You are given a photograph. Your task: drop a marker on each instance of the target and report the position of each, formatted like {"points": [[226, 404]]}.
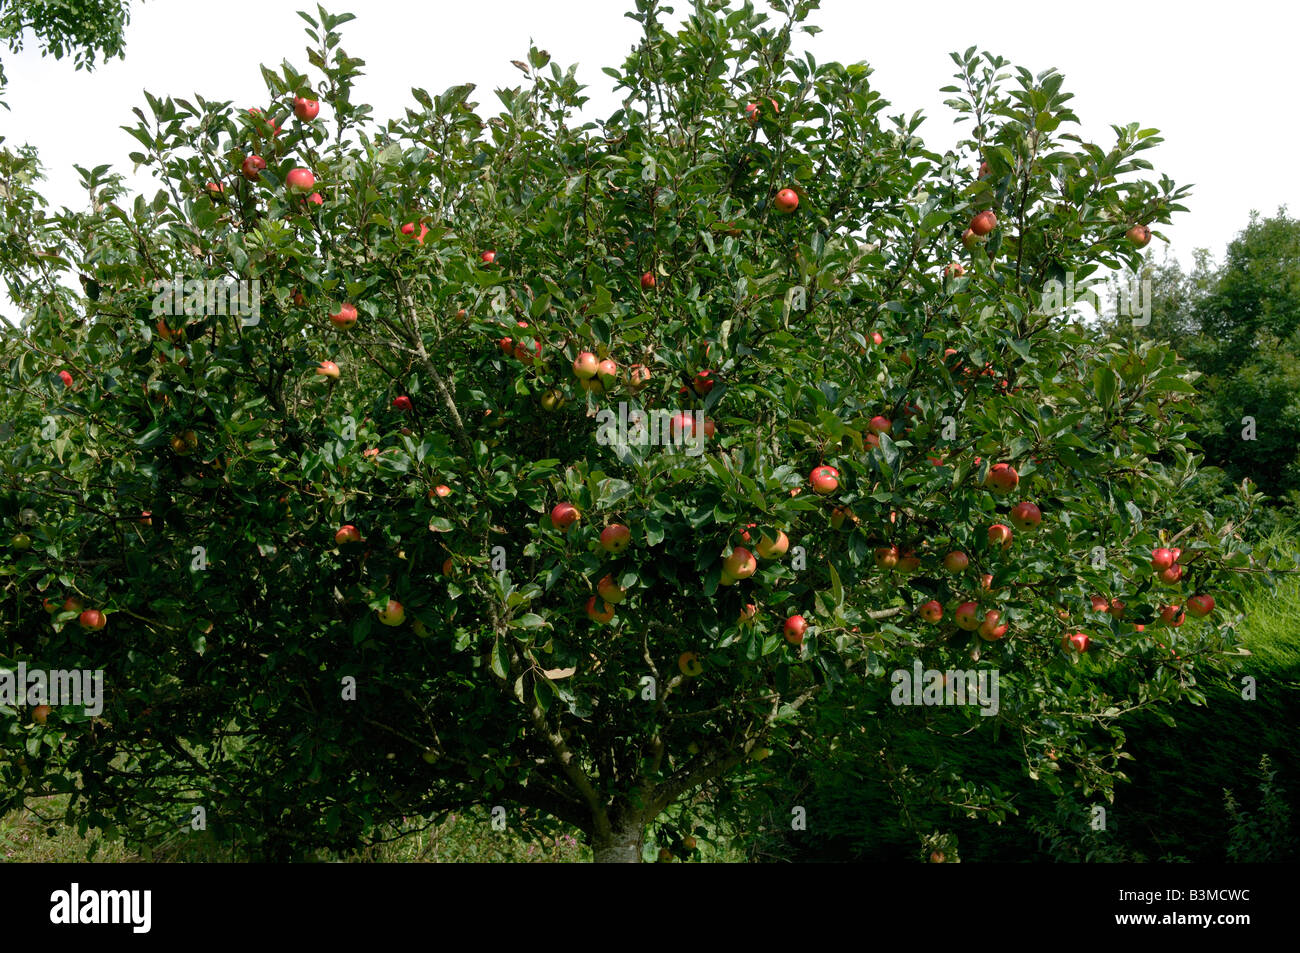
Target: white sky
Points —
{"points": [[1215, 82]]}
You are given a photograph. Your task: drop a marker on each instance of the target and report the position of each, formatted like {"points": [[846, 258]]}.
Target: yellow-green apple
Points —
{"points": [[610, 591], [839, 514], [769, 548], [689, 664], [392, 614], [969, 239], [553, 399], [21, 542], [615, 538]]}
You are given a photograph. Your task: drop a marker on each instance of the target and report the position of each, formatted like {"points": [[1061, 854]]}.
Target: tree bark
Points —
{"points": [[622, 845]]}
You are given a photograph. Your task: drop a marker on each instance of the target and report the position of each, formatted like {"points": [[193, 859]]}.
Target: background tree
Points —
{"points": [[84, 29], [337, 601]]}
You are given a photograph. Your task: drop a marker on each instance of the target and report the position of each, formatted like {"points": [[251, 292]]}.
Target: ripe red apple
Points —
{"points": [[305, 109], [989, 629], [879, 424], [1116, 609], [214, 190], [252, 167], [983, 223], [932, 612], [1000, 534], [787, 201], [488, 257], [824, 480], [956, 561], [1170, 576], [408, 229], [345, 317], [748, 613], [315, 199], [1138, 236], [347, 534], [564, 515], [1099, 603], [1026, 516], [740, 564], [615, 538], [794, 629], [768, 548], [967, 616], [328, 369], [599, 610], [585, 366], [402, 402], [710, 428], [690, 665], [877, 337], [1077, 641], [607, 372], [610, 590], [648, 280], [1002, 478], [392, 614], [92, 620], [66, 377], [300, 181], [1172, 615], [703, 382], [954, 270], [887, 557], [1162, 559], [1200, 605], [908, 562]]}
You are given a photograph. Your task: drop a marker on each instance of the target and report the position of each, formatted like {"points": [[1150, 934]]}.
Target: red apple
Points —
{"points": [[1162, 558], [824, 480], [638, 375], [488, 257], [879, 424], [908, 562], [983, 223], [967, 616], [564, 515], [932, 612], [795, 627], [1170, 576], [1026, 516], [1172, 615], [305, 109], [607, 372], [787, 201], [315, 199], [989, 629], [954, 270], [598, 610], [1116, 609], [648, 280], [345, 317], [347, 534], [92, 620], [409, 229], [1099, 603], [703, 382], [887, 557], [402, 402], [585, 366], [328, 369], [740, 564], [1076, 641], [956, 561], [392, 614], [747, 613], [300, 181], [252, 168], [1200, 605], [615, 538], [1000, 534], [66, 377], [40, 713], [1138, 236], [1002, 478]]}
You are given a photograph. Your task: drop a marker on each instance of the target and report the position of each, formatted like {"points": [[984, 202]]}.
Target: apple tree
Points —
{"points": [[565, 466]]}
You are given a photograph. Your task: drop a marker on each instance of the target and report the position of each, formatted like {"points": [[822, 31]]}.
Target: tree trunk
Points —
{"points": [[622, 845]]}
